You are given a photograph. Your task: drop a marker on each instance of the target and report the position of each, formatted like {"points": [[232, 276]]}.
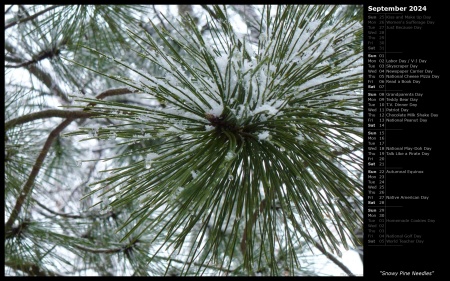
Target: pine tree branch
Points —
{"points": [[28, 186], [249, 224], [31, 17], [332, 258], [98, 251], [343, 151], [49, 82], [41, 56], [8, 9], [40, 160], [30, 268], [252, 220], [115, 92], [84, 216], [47, 114], [65, 113], [42, 76], [197, 264], [110, 93]]}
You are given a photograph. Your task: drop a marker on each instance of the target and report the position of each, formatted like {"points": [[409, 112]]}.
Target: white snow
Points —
{"points": [[264, 135]]}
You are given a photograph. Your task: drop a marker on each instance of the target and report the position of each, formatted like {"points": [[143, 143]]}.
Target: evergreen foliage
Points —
{"points": [[191, 145]]}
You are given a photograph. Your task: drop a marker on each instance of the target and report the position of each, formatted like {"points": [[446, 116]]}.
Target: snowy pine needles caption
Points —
{"points": [[251, 144]]}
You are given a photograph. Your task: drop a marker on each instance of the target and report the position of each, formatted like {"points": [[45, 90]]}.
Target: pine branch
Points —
{"points": [[113, 92], [28, 186], [198, 264], [64, 215], [8, 9], [42, 76], [195, 74], [332, 258], [47, 114], [46, 54], [71, 115], [64, 113], [30, 268], [252, 220], [98, 251], [249, 225], [31, 17]]}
